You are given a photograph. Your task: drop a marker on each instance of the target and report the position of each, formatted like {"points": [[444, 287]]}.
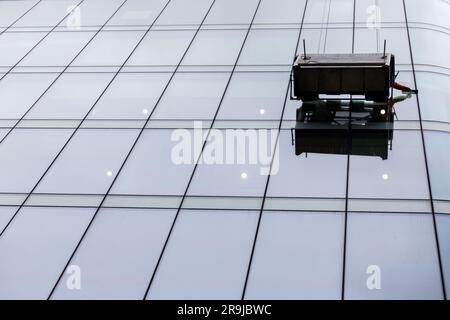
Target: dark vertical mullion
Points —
{"points": [[42, 39], [261, 211], [200, 155], [344, 253], [444, 292], [21, 16]]}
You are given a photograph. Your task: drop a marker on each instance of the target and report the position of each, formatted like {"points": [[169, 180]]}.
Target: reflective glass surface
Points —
{"points": [[160, 144]]}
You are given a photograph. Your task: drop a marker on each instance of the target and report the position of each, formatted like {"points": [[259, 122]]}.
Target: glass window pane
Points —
{"points": [[402, 248], [58, 49], [274, 47], [3, 132], [6, 214], [14, 102], [373, 177], [10, 11], [95, 12], [124, 245], [438, 153], [215, 47], [326, 41], [314, 40], [109, 48], [434, 11], [373, 11], [430, 47], [15, 45], [130, 96], [89, 163], [434, 95], [161, 48], [370, 40], [151, 170], [280, 11], [314, 175], [46, 14], [184, 12], [255, 96], [340, 11], [61, 101], [325, 11], [234, 163], [231, 12], [137, 12], [297, 256], [337, 41], [192, 96], [35, 249], [443, 231], [25, 154], [201, 260]]}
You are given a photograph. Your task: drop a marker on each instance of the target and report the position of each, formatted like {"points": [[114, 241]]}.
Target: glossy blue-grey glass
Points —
{"points": [[255, 96], [130, 96], [36, 247], [58, 49], [314, 175], [298, 255], [137, 13], [438, 146], [15, 45], [109, 48], [201, 260], [14, 103], [122, 245], [391, 256], [443, 231], [154, 167], [161, 48], [231, 12], [25, 155], [192, 96], [89, 163], [55, 105]]}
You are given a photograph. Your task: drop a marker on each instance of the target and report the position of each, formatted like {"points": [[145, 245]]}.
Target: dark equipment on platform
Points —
{"points": [[371, 75], [361, 125], [327, 132]]}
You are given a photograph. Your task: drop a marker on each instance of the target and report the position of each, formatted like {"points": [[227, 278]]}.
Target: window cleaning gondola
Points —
{"points": [[358, 117]]}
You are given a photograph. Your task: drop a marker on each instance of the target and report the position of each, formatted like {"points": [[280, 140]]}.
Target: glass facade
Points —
{"points": [[97, 202]]}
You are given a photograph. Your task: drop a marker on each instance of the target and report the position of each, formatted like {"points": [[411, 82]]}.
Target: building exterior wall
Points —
{"points": [[100, 199]]}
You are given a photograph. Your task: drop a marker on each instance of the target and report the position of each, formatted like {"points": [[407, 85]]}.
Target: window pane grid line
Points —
{"points": [[7, 28], [201, 151], [244, 289], [441, 270], [61, 150], [57, 77], [42, 39]]}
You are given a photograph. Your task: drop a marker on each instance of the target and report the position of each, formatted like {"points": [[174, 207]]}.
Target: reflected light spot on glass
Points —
{"points": [[262, 111], [385, 176], [244, 175], [109, 173]]}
